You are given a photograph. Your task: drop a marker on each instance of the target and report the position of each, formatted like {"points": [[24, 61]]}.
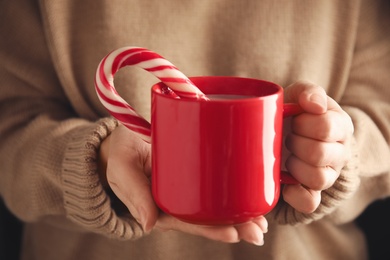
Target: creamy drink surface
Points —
{"points": [[227, 96]]}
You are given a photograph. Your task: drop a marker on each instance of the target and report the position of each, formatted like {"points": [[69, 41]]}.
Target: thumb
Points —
{"points": [[311, 97]]}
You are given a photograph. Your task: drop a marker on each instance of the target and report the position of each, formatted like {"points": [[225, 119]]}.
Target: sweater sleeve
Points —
{"points": [[85, 201], [366, 99], [47, 149]]}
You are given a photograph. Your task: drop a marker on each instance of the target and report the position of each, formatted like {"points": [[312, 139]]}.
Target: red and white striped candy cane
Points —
{"points": [[135, 56]]}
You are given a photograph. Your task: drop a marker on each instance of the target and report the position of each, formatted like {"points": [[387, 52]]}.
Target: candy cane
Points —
{"points": [[179, 84]]}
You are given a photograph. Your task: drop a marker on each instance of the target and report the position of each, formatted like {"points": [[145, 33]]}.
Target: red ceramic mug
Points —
{"points": [[219, 161]]}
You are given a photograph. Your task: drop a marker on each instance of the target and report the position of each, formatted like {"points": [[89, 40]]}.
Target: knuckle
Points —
{"points": [[318, 155], [334, 127], [309, 84], [326, 128]]}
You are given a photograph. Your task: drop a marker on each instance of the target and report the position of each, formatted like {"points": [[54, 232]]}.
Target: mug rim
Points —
{"points": [[271, 87]]}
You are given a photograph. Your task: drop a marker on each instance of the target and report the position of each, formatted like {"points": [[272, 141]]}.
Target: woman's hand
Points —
{"points": [[125, 166], [319, 143]]}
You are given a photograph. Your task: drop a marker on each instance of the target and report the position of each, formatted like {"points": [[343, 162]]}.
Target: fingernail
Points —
{"points": [[258, 242]]}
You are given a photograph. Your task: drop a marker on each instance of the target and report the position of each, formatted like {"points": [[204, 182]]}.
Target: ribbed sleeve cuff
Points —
{"points": [[86, 202], [345, 186]]}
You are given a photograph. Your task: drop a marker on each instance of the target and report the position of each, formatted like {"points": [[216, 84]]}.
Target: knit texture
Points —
{"points": [[52, 122]]}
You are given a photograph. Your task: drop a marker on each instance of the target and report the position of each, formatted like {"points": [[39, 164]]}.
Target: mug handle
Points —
{"points": [[289, 109]]}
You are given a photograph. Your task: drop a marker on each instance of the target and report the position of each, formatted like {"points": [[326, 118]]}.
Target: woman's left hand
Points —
{"points": [[319, 143]]}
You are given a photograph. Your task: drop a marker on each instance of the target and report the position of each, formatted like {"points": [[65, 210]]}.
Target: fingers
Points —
{"points": [[252, 231], [312, 98], [128, 167], [226, 234], [302, 199], [262, 223], [319, 145], [313, 177], [333, 126], [317, 153], [316, 165]]}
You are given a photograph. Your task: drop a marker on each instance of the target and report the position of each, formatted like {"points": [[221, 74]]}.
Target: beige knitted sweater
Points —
{"points": [[51, 122]]}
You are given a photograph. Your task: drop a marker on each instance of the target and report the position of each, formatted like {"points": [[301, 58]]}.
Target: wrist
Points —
{"points": [[102, 157]]}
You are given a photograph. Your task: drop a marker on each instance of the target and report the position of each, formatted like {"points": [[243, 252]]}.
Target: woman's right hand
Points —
{"points": [[125, 166]]}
